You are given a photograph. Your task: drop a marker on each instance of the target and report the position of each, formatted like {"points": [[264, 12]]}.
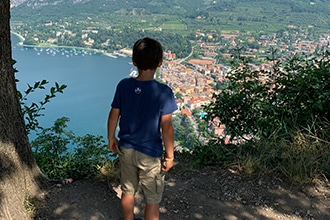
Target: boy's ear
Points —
{"points": [[160, 63], [134, 63]]}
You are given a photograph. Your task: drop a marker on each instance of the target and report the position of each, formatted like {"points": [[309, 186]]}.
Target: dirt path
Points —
{"points": [[206, 194]]}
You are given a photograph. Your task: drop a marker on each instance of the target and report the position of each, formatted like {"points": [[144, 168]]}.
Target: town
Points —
{"points": [[194, 82], [195, 78]]}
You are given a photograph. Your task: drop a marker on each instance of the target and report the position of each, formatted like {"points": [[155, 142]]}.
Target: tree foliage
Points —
{"points": [[293, 94], [57, 151], [60, 154], [33, 111], [184, 132], [276, 119]]}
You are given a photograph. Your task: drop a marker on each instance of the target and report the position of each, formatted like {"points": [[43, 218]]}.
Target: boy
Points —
{"points": [[144, 110]]}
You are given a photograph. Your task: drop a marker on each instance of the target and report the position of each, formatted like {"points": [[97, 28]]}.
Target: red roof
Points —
{"points": [[186, 112]]}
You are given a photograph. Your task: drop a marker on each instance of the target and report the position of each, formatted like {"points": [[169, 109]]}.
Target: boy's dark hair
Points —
{"points": [[147, 53]]}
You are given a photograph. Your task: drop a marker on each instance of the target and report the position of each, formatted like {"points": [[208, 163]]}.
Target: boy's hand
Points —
{"points": [[112, 145], [167, 164]]}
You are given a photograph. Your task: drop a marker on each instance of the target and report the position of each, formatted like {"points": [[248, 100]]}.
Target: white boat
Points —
{"points": [[110, 55]]}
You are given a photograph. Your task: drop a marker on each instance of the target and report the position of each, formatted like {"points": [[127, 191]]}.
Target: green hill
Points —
{"points": [[249, 15], [119, 23]]}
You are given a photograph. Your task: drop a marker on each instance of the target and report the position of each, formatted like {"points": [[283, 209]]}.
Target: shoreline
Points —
{"points": [[21, 38], [124, 52]]}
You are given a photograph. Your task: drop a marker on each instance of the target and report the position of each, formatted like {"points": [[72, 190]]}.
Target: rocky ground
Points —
{"points": [[209, 193]]}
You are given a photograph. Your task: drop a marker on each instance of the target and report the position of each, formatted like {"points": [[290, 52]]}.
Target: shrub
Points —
{"points": [[60, 154], [279, 118]]}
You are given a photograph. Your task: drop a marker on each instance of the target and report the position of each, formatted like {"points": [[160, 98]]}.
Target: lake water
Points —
{"points": [[91, 79]]}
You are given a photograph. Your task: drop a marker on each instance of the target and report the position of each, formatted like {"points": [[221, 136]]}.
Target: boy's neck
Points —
{"points": [[146, 75]]}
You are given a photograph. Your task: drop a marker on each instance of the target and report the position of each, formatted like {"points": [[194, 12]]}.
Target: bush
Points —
{"points": [[279, 118], [59, 154]]}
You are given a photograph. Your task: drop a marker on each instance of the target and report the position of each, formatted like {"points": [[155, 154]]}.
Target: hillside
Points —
{"points": [[249, 15], [111, 25]]}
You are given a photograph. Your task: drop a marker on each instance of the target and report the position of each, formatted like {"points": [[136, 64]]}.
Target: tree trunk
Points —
{"points": [[19, 175]]}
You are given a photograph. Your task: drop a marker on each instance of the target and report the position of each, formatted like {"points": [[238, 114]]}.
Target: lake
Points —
{"points": [[91, 79]]}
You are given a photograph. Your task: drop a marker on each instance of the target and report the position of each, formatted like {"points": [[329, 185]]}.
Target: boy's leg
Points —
{"points": [[152, 184], [151, 212], [129, 182], [127, 205]]}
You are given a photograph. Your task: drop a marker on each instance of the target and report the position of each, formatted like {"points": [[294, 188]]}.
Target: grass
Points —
{"points": [[301, 156], [30, 205], [108, 171], [173, 25]]}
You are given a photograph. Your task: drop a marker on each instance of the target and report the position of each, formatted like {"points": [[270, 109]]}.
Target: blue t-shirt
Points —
{"points": [[141, 104]]}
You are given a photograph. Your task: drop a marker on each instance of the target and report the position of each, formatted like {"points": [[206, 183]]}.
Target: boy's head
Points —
{"points": [[147, 54]]}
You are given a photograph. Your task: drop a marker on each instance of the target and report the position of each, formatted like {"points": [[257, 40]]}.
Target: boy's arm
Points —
{"points": [[112, 125], [168, 139]]}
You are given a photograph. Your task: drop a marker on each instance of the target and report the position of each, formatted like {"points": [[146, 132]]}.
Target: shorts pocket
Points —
{"points": [[160, 179], [119, 150]]}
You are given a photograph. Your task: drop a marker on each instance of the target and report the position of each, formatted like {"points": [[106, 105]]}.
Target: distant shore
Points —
{"points": [[21, 38], [123, 52]]}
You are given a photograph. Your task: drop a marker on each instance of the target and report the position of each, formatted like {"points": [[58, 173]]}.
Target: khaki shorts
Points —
{"points": [[137, 167]]}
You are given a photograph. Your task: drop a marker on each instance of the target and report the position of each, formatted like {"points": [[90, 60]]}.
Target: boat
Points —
{"points": [[110, 55]]}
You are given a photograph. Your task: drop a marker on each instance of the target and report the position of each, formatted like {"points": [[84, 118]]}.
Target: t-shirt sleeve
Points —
{"points": [[169, 103], [116, 99]]}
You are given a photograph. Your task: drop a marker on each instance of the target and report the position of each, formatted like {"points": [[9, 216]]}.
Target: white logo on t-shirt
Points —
{"points": [[137, 90]]}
